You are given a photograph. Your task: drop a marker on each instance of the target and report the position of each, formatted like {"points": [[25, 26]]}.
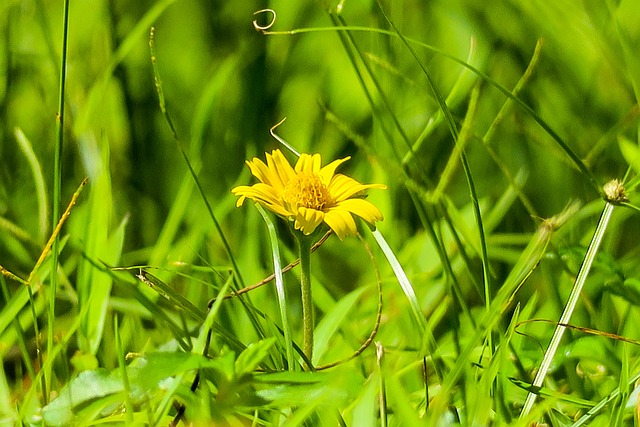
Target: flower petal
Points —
{"points": [[263, 194], [259, 170], [309, 163], [307, 220], [327, 172], [342, 187], [341, 222], [363, 208], [280, 168]]}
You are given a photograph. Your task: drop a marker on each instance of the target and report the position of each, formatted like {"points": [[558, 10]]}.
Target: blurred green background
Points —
{"points": [[227, 84]]}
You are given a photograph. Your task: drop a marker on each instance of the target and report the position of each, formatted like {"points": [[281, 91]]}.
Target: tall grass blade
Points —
{"points": [[569, 307], [57, 190], [280, 290], [403, 280]]}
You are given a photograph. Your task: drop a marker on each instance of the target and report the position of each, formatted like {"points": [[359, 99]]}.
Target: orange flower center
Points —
{"points": [[308, 191]]}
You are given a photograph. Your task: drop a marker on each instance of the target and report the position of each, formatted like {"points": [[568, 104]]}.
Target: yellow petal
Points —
{"points": [[327, 172], [307, 220], [341, 222], [309, 163], [264, 194], [342, 187], [259, 170], [363, 208], [280, 168]]}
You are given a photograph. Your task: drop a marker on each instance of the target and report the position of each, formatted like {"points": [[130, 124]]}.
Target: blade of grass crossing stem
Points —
{"points": [[280, 291], [570, 306], [165, 113], [57, 190]]}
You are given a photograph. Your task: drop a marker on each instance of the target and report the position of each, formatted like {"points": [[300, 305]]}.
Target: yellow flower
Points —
{"points": [[309, 194]]}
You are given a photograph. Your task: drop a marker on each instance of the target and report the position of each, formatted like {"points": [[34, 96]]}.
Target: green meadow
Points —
{"points": [[490, 278]]}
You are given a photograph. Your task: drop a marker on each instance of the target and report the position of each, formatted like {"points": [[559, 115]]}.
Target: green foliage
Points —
{"points": [[155, 300]]}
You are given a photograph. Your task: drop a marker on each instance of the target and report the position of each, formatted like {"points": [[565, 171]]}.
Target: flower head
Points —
{"points": [[309, 194]]}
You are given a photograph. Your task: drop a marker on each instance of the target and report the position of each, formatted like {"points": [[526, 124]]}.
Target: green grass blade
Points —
{"points": [[280, 290], [199, 347], [168, 292], [569, 306], [38, 179], [57, 190], [18, 329], [331, 323], [403, 280], [519, 273], [93, 285], [122, 365], [218, 228], [611, 397]]}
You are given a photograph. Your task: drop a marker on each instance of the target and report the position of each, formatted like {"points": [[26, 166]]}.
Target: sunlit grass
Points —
{"points": [[495, 129]]}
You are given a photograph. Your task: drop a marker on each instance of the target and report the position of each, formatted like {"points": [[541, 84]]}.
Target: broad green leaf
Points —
{"points": [[145, 373], [253, 355]]}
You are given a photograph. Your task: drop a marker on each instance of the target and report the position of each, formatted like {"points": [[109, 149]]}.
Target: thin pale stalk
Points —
{"points": [[569, 308]]}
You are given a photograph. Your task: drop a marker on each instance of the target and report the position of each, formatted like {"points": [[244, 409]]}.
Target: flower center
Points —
{"points": [[307, 190]]}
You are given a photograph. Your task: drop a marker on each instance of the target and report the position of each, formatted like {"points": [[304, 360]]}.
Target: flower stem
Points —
{"points": [[304, 245]]}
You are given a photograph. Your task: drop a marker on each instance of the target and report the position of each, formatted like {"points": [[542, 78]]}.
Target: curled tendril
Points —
{"points": [[264, 28]]}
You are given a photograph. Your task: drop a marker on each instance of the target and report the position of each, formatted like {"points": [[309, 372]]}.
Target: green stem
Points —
{"points": [[304, 245]]}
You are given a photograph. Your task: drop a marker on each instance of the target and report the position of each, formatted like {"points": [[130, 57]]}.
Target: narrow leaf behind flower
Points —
{"points": [[280, 291]]}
